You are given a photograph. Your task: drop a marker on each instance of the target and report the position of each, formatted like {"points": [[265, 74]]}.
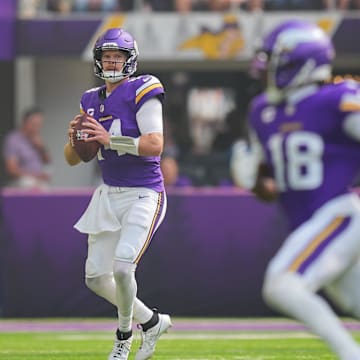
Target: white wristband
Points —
{"points": [[125, 144]]}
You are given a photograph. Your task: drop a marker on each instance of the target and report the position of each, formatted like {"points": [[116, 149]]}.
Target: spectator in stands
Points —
{"points": [[253, 5], [341, 4], [97, 5], [287, 5], [235, 128], [25, 155], [60, 6], [170, 170], [160, 5], [226, 5], [172, 173], [184, 6], [29, 8], [216, 5], [207, 5]]}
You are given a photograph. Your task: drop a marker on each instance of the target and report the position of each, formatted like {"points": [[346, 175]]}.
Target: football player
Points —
{"points": [[125, 117], [306, 142]]}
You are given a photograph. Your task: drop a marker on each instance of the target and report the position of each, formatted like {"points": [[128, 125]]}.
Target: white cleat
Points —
{"points": [[151, 336], [121, 349]]}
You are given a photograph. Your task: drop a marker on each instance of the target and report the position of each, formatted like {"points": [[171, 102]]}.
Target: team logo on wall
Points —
{"points": [[224, 43]]}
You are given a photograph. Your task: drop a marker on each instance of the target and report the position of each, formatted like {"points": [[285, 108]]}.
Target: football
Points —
{"points": [[86, 150]]}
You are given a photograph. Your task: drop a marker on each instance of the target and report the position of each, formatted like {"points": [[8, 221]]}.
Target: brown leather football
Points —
{"points": [[86, 150]]}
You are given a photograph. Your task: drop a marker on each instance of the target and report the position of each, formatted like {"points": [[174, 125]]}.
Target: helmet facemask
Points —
{"points": [[300, 57], [115, 39], [293, 54]]}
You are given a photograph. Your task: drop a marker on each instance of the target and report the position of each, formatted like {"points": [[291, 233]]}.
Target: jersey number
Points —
{"points": [[297, 160], [115, 129]]}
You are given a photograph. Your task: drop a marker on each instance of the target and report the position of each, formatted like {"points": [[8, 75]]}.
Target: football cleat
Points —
{"points": [[151, 336], [121, 349]]}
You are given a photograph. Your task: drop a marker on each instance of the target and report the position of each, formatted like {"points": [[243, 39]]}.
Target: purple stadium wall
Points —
{"points": [[207, 258]]}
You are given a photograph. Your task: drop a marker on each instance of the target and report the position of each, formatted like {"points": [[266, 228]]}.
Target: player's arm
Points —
{"points": [[249, 171], [151, 141], [265, 186], [150, 122], [71, 156], [12, 167], [351, 125]]}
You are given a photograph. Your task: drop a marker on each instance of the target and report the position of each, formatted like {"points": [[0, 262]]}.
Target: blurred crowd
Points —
{"points": [[33, 7]]}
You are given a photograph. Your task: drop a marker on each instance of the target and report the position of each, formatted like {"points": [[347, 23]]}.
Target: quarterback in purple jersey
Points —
{"points": [[306, 139], [125, 117]]}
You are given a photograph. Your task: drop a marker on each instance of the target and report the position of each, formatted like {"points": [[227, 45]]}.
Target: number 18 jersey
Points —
{"points": [[311, 142]]}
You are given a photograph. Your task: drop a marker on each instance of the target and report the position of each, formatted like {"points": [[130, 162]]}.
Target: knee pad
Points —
{"points": [[124, 271], [277, 288], [97, 284], [126, 253]]}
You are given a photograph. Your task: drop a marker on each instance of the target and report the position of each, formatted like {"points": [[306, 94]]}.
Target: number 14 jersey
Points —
{"points": [[117, 113]]}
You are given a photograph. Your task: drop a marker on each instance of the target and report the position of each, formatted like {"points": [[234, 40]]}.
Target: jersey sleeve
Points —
{"points": [[148, 87], [349, 106]]}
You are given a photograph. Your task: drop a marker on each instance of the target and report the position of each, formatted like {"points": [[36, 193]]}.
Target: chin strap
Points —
{"points": [[125, 144]]}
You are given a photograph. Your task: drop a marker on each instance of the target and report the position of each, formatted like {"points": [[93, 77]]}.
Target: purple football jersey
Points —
{"points": [[117, 113], [310, 155]]}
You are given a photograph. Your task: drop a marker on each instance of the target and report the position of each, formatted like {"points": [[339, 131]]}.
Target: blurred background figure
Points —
{"points": [[235, 127], [96, 5], [60, 6], [170, 170], [341, 4], [25, 156], [293, 5], [172, 173], [29, 8]]}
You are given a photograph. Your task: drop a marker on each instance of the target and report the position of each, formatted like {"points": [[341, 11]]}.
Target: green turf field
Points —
{"points": [[176, 345]]}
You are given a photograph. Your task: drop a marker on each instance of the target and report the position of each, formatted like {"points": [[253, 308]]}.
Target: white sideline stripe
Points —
{"points": [[202, 336]]}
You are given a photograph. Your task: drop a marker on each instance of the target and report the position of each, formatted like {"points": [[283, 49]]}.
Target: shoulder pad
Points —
{"points": [[92, 90], [147, 86], [350, 97]]}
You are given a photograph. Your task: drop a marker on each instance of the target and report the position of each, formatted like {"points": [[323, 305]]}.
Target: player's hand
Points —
{"points": [[266, 189], [97, 131], [71, 130]]}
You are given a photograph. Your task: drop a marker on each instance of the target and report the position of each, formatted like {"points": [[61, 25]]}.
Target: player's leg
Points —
{"points": [[104, 286], [98, 267], [138, 227], [289, 294], [99, 273], [99, 279], [312, 257], [345, 291], [126, 288]]}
